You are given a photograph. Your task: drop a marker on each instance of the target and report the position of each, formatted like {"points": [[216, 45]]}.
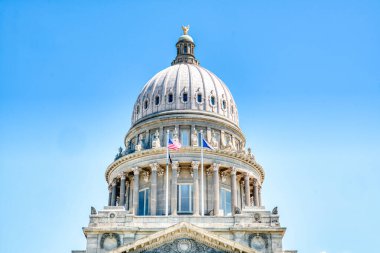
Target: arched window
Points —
{"points": [[138, 109], [199, 98], [146, 104], [185, 97], [212, 100], [170, 98], [157, 100], [232, 109]]}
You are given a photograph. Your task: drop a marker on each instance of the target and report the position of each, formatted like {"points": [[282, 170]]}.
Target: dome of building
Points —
{"points": [[185, 87]]}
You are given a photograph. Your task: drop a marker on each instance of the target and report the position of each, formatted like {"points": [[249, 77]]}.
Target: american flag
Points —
{"points": [[174, 145]]}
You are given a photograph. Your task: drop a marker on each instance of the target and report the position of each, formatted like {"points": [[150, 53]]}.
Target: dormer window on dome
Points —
{"points": [[185, 97], [170, 98], [157, 100], [199, 98]]}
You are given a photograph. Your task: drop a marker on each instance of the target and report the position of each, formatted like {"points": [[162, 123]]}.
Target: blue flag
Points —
{"points": [[205, 144]]}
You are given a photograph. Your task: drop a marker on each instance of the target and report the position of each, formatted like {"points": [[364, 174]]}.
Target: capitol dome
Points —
{"points": [[185, 88]]}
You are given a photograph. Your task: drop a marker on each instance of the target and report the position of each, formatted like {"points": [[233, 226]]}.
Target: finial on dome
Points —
{"points": [[185, 29]]}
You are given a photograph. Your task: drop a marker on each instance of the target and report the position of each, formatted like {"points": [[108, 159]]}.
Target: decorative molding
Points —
{"points": [[184, 230], [193, 150], [111, 236]]}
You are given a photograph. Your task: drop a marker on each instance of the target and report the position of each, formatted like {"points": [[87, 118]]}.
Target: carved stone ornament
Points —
{"points": [[257, 217], [214, 142], [194, 138], [160, 172], [258, 242], [175, 135], [139, 145], [224, 176], [156, 140], [146, 176], [184, 245], [110, 241]]}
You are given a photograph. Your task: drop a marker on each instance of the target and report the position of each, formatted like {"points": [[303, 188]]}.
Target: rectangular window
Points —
{"points": [[144, 202], [225, 201], [185, 198], [185, 137]]}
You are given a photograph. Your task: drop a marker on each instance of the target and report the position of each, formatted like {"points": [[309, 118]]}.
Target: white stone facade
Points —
{"points": [[156, 206]]}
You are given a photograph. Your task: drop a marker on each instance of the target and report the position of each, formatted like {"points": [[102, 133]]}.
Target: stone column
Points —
{"points": [[131, 186], [247, 190], [242, 194], [136, 174], [122, 190], [173, 202], [109, 195], [260, 203], [195, 166], [255, 192], [113, 196], [153, 189], [215, 168], [127, 195], [233, 190]]}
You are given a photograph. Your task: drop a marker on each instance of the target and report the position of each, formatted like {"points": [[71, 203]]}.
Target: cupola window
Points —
{"points": [[157, 100], [212, 100], [146, 104], [232, 109], [199, 98], [185, 97], [138, 109], [170, 98]]}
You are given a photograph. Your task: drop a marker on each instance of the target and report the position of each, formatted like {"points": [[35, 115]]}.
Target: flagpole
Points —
{"points": [[167, 174], [202, 193]]}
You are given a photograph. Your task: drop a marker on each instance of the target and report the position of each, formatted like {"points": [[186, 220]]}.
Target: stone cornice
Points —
{"points": [[187, 150]]}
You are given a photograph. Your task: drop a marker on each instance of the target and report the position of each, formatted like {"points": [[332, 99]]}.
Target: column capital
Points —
{"points": [[195, 165], [175, 165], [255, 182], [154, 166], [215, 167], [246, 175], [136, 170], [113, 183], [122, 176], [233, 170]]}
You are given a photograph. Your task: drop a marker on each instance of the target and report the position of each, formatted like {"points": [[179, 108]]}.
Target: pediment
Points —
{"points": [[177, 236]]}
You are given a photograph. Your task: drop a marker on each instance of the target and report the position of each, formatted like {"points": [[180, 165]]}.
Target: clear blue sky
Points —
{"points": [[305, 76]]}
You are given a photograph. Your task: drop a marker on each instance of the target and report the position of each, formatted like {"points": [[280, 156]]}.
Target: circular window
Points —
{"points": [[199, 98], [170, 98], [224, 104], [212, 100], [146, 104], [137, 109], [185, 97], [157, 100]]}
